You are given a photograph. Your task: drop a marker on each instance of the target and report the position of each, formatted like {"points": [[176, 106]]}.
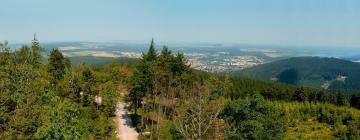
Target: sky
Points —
{"points": [[275, 22]]}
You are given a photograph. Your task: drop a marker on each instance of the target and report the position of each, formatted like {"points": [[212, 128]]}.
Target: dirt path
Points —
{"points": [[126, 131]]}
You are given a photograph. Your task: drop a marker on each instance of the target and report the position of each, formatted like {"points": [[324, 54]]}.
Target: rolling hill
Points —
{"points": [[328, 73]]}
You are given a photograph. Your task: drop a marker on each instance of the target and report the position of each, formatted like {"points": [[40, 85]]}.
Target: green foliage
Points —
{"points": [[159, 79], [56, 100], [156, 85], [43, 101], [141, 82], [70, 87], [252, 118], [278, 91], [23, 55], [22, 88], [56, 66], [300, 95], [341, 99], [36, 53], [179, 64], [61, 120], [67, 62], [343, 121], [110, 99], [289, 76], [151, 54], [309, 71]]}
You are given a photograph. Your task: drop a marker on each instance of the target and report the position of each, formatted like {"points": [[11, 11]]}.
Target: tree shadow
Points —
{"points": [[128, 119]]}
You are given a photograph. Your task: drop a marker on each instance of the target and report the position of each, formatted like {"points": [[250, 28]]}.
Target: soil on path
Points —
{"points": [[126, 131]]}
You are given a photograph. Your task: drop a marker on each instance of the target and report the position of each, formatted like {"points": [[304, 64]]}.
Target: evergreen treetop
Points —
{"points": [[151, 54], [56, 65], [36, 51]]}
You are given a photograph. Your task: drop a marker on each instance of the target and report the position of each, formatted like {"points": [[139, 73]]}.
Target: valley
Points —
{"points": [[180, 70]]}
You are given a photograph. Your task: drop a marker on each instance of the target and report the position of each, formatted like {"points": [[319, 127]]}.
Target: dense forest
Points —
{"points": [[53, 99], [174, 102], [331, 74]]}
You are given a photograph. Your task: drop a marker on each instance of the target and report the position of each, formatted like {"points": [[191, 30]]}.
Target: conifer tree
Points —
{"points": [[179, 64], [56, 66], [67, 62], [36, 51], [164, 62], [151, 54], [142, 80]]}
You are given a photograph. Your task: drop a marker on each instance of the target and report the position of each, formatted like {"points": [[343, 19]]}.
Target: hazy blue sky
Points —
{"points": [[292, 22]]}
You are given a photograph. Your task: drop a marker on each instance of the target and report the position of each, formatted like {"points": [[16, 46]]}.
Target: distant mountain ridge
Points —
{"points": [[318, 72]]}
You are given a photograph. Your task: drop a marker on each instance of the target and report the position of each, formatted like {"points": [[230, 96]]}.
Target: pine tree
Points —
{"points": [[165, 52], [56, 66], [142, 80], [67, 62], [179, 64], [36, 51], [151, 54], [164, 62]]}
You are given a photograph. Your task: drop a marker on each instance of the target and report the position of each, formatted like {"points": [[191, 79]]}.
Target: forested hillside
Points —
{"points": [[327, 73], [171, 101], [168, 100]]}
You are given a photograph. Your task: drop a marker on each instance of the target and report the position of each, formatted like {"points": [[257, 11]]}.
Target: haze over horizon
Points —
{"points": [[279, 22]]}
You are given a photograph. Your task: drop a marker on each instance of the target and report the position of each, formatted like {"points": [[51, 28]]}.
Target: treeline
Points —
{"points": [[309, 72], [54, 100], [284, 92]]}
